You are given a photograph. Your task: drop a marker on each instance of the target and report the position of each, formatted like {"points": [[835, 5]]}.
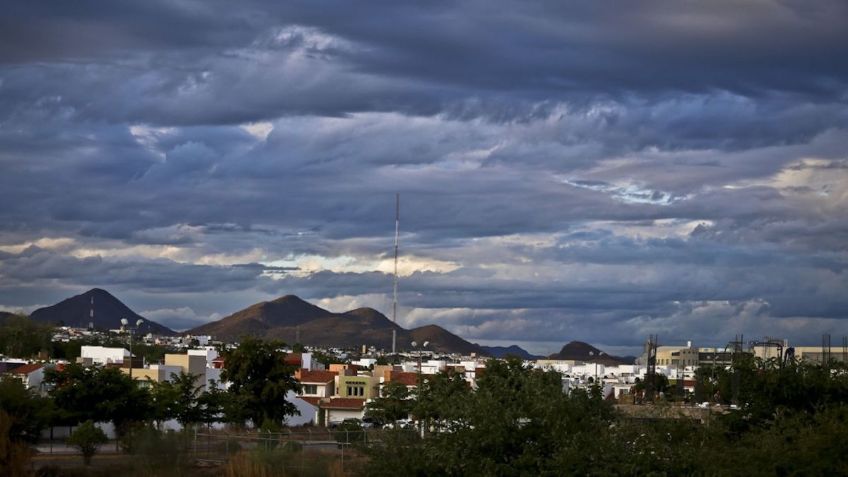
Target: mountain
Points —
{"points": [[292, 320], [108, 311], [504, 351], [4, 315], [580, 351]]}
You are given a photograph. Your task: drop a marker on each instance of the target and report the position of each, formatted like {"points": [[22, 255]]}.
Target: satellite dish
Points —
{"points": [[414, 344], [139, 322], [425, 344], [124, 321]]}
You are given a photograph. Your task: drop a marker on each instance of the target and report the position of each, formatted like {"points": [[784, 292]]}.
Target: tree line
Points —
{"points": [[792, 420], [256, 372]]}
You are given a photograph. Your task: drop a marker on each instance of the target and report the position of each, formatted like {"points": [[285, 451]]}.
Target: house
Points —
{"points": [[31, 375], [332, 411], [316, 383], [359, 387], [303, 361], [409, 380], [102, 355], [307, 409]]}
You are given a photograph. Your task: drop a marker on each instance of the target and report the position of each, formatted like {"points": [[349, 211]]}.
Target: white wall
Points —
{"points": [[338, 415], [307, 411], [102, 355]]}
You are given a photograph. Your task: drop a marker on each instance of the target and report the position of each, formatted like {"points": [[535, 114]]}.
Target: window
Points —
{"points": [[310, 389], [356, 391]]}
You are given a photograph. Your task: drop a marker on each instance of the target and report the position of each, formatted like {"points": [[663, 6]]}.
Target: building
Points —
{"points": [[333, 411], [32, 375], [319, 384], [358, 387], [101, 355], [678, 356]]}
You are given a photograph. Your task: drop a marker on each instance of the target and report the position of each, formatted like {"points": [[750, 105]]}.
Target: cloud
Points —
{"points": [[566, 171]]}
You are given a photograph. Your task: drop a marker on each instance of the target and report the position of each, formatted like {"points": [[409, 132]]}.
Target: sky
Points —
{"points": [[595, 171]]}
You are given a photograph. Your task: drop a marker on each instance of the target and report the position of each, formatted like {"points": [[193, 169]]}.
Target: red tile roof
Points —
{"points": [[407, 379], [315, 377], [314, 400], [27, 368], [293, 359]]}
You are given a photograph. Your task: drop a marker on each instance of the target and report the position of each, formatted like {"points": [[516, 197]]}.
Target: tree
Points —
{"points": [[213, 403], [87, 437], [28, 413], [98, 394], [14, 454], [517, 422], [178, 399], [436, 394], [259, 381], [21, 337], [393, 404]]}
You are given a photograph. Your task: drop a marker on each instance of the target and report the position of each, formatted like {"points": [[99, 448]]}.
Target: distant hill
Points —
{"points": [[504, 351], [4, 315], [108, 311], [292, 319], [580, 351]]}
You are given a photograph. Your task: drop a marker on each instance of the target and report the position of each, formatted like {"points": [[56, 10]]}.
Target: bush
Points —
{"points": [[87, 437]]}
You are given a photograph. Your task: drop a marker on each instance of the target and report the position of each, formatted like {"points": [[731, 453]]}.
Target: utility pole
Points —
{"points": [[650, 373]]}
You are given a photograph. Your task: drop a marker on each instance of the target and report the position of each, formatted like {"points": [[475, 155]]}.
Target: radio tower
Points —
{"points": [[395, 285], [91, 316]]}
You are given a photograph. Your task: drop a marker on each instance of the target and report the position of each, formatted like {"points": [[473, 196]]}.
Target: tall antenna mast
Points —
{"points": [[394, 295], [91, 315]]}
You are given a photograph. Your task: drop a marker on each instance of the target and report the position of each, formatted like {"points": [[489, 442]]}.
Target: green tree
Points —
{"points": [[432, 403], [178, 399], [14, 454], [23, 338], [393, 404], [517, 422], [28, 412], [259, 380], [87, 437], [98, 394], [213, 403]]}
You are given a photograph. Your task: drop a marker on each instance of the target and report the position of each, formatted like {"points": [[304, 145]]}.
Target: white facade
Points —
{"points": [[336, 416], [307, 411], [102, 355]]}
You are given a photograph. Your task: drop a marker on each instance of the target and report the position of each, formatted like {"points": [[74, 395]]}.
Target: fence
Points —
{"points": [[294, 449]]}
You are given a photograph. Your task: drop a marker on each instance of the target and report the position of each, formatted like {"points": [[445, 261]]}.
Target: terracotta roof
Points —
{"points": [[27, 368], [314, 400], [315, 377], [294, 359], [407, 379], [343, 403]]}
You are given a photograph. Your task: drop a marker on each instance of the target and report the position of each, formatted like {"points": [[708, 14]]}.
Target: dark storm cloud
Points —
{"points": [[37, 265], [184, 63], [555, 160]]}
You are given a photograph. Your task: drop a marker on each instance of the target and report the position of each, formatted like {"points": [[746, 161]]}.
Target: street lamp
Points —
{"points": [[125, 326], [592, 353], [421, 350]]}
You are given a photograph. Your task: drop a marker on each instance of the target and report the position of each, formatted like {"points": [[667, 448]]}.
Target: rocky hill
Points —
{"points": [[108, 311], [580, 351], [292, 319], [504, 351]]}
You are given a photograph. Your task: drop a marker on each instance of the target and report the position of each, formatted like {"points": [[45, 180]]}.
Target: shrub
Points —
{"points": [[87, 437]]}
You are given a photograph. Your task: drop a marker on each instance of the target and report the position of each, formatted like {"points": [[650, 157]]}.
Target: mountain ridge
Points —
{"points": [[108, 311], [301, 321], [581, 351]]}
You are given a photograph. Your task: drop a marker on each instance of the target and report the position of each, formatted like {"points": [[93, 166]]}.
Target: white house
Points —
{"points": [[31, 375], [102, 355]]}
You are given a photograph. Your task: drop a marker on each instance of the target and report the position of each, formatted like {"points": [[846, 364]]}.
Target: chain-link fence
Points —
{"points": [[299, 449]]}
